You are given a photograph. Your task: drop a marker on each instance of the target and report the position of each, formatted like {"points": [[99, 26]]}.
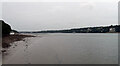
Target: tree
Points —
{"points": [[6, 29]]}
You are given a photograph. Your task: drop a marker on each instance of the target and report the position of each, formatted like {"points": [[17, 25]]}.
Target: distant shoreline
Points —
{"points": [[66, 33], [101, 29]]}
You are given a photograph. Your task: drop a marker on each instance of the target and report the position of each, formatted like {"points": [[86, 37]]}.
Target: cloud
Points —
{"points": [[60, 0], [58, 15], [0, 10], [88, 5]]}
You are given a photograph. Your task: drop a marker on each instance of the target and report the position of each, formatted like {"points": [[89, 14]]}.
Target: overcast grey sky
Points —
{"points": [[59, 15]]}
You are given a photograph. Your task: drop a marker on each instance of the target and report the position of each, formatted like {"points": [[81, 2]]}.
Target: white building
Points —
{"points": [[112, 30]]}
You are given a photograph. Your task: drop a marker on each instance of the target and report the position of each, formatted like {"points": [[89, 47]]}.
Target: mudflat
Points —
{"points": [[12, 38]]}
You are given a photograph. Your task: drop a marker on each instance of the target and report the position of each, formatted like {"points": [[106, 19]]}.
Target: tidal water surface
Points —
{"points": [[60, 48]]}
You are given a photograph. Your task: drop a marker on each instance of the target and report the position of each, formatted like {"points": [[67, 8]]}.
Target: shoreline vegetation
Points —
{"points": [[101, 29], [9, 35]]}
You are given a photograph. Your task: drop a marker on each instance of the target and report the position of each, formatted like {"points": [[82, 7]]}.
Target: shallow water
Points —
{"points": [[63, 48]]}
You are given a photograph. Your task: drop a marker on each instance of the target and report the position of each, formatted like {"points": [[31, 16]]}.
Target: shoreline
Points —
{"points": [[7, 40]]}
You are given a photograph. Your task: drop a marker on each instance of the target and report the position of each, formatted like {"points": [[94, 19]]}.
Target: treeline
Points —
{"points": [[6, 28], [102, 29]]}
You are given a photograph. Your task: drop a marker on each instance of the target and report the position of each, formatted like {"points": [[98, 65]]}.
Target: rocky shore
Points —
{"points": [[12, 38]]}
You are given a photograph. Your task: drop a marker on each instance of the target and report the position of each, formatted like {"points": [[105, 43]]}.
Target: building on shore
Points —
{"points": [[111, 30]]}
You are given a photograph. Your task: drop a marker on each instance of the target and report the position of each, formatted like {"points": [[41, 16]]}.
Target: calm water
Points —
{"points": [[64, 49]]}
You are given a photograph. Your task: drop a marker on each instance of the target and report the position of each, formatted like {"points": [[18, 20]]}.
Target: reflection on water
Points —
{"points": [[65, 49]]}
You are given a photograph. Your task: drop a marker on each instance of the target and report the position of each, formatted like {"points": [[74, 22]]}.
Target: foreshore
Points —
{"points": [[12, 38]]}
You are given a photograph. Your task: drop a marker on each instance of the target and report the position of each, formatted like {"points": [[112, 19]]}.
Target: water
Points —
{"points": [[65, 49]]}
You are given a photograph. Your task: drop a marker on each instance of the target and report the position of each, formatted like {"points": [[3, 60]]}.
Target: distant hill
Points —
{"points": [[101, 29]]}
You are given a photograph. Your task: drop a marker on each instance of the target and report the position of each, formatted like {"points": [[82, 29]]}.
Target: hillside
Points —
{"points": [[101, 29], [6, 29]]}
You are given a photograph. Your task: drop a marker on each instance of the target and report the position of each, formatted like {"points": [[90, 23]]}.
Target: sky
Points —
{"points": [[33, 15], [0, 9], [59, 0]]}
